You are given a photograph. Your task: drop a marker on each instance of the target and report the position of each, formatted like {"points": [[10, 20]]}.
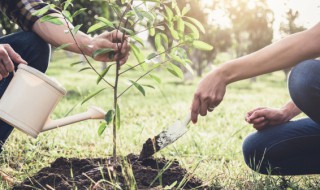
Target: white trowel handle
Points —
{"points": [[187, 119]]}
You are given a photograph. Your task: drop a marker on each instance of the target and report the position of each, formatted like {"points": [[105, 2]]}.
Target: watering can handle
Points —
{"points": [[92, 113]]}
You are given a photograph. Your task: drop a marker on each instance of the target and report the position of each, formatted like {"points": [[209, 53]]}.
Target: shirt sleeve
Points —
{"points": [[22, 11]]}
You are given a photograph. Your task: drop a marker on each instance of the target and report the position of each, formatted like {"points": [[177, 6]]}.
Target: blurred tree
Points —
{"points": [[6, 26], [251, 24], [290, 27], [214, 35]]}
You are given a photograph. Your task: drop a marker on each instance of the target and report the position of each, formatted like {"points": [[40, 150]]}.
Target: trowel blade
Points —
{"points": [[165, 138]]}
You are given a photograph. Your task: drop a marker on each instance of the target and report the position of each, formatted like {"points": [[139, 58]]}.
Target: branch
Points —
{"points": [[84, 55], [143, 76], [149, 59]]}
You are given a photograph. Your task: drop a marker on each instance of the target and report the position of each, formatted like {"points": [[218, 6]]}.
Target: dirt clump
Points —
{"points": [[96, 174]]}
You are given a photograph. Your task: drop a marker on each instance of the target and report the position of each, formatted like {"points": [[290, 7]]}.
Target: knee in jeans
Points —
{"points": [[254, 154], [303, 81]]}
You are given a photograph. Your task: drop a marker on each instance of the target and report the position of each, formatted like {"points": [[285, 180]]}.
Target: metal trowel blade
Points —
{"points": [[165, 138]]}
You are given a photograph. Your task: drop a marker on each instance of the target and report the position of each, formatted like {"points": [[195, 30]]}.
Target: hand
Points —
{"points": [[7, 57], [208, 95], [111, 40], [262, 118]]}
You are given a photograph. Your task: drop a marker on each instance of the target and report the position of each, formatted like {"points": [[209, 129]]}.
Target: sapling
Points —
{"points": [[173, 33]]}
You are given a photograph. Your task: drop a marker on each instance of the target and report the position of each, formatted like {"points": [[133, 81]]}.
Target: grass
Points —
{"points": [[211, 149]]}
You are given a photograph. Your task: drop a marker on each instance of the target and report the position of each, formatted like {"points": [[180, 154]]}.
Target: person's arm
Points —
{"points": [[280, 55], [57, 35], [263, 117]]}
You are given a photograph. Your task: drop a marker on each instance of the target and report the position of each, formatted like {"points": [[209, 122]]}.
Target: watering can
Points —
{"points": [[31, 97]]}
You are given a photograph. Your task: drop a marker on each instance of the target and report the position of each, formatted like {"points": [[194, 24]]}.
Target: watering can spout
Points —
{"points": [[91, 113]]}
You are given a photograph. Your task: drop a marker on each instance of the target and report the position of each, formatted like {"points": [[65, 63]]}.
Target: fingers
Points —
{"points": [[14, 57], [256, 109], [195, 108], [261, 125]]}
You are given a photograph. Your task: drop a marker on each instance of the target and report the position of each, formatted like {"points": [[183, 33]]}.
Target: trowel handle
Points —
{"points": [[187, 119]]}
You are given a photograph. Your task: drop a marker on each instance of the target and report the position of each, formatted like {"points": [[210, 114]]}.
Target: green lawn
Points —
{"points": [[211, 149]]}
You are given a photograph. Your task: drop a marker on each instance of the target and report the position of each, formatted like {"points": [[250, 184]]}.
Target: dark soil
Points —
{"points": [[95, 174], [150, 147]]}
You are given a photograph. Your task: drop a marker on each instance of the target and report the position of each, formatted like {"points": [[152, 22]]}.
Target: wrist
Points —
{"points": [[286, 114], [86, 44], [226, 72]]}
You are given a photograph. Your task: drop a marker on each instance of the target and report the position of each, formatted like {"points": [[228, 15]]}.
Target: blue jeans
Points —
{"points": [[32, 49], [292, 148]]}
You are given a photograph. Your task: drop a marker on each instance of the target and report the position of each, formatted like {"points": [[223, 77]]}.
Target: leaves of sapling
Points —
{"points": [[92, 95], [67, 4], [180, 25], [101, 51], [195, 32], [97, 26], [76, 63], [152, 55], [67, 15], [42, 11], [76, 29], [155, 78], [80, 11], [197, 23], [137, 53], [105, 21], [202, 45], [102, 128], [109, 116], [185, 10], [175, 70], [139, 87], [103, 74], [52, 19], [137, 39], [84, 68], [169, 14]]}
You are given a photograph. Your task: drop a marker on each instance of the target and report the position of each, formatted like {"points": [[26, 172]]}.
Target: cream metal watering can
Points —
{"points": [[30, 99]]}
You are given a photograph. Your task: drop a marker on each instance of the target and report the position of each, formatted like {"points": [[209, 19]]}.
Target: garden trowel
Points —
{"points": [[166, 137]]}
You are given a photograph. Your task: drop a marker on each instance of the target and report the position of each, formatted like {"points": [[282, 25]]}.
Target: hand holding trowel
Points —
{"points": [[165, 138]]}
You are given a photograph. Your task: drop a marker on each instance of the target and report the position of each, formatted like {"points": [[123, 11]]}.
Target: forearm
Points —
{"points": [[57, 35], [280, 55], [290, 110]]}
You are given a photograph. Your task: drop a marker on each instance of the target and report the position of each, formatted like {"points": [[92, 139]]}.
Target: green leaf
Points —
{"points": [[67, 4], [189, 68], [80, 11], [149, 86], [76, 63], [202, 45], [194, 30], [104, 72], [185, 10], [197, 23], [102, 127], [155, 78], [105, 21], [52, 19], [176, 71], [92, 95], [157, 42], [137, 53], [63, 46], [109, 116], [180, 25], [168, 187], [139, 87], [174, 33], [169, 13], [152, 31], [67, 14], [152, 55], [137, 39], [85, 68], [97, 26], [118, 117], [42, 11], [101, 51], [76, 29]]}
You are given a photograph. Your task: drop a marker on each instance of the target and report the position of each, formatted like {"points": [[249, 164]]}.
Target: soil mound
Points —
{"points": [[96, 174]]}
